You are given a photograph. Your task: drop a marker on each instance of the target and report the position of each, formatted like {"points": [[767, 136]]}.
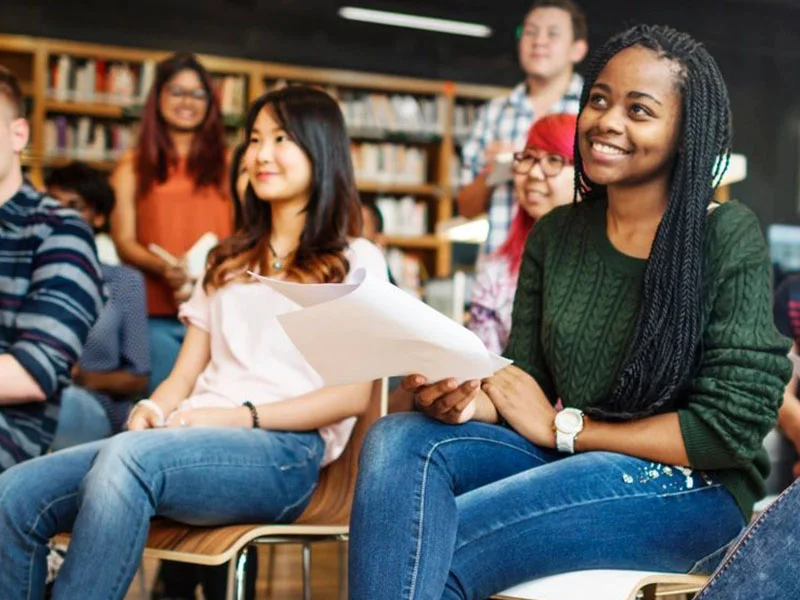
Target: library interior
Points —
{"points": [[474, 291]]}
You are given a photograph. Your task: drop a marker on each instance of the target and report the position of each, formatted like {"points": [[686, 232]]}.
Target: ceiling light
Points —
{"points": [[414, 22]]}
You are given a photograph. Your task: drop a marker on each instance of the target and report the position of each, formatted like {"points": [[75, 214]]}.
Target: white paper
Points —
{"points": [[195, 256], [501, 169], [370, 329]]}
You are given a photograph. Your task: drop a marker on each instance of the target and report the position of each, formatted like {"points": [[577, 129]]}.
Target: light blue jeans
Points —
{"points": [[453, 512], [106, 492], [764, 561], [81, 419], [166, 337]]}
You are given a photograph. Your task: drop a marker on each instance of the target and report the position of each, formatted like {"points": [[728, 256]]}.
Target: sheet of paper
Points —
{"points": [[370, 329], [501, 169]]}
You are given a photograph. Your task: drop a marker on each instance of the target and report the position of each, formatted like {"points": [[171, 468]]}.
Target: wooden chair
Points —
{"points": [[326, 518], [606, 585]]}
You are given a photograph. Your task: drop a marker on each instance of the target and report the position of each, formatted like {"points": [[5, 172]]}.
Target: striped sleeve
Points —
{"points": [[63, 302]]}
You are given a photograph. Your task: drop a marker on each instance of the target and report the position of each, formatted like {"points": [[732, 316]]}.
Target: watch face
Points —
{"points": [[569, 421]]}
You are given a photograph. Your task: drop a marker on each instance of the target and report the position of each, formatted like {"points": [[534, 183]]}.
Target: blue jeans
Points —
{"points": [[446, 512], [82, 419], [166, 337], [106, 492], [763, 563]]}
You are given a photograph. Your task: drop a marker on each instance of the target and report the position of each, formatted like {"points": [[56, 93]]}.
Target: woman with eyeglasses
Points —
{"points": [[171, 189], [543, 179]]}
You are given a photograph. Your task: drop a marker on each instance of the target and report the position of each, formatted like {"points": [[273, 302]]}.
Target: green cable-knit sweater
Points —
{"points": [[575, 311]]}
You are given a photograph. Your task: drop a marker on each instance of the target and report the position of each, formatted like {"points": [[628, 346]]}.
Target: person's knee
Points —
{"points": [[118, 463], [393, 440], [15, 495]]}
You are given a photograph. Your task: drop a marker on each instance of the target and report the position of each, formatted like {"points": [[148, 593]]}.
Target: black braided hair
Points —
{"points": [[666, 343]]}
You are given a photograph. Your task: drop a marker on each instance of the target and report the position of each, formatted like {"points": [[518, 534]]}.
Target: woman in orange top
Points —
{"points": [[171, 189]]}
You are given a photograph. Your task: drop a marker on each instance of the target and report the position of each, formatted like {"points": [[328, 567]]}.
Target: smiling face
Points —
{"points": [[629, 130], [278, 169], [183, 101], [539, 192], [547, 46]]}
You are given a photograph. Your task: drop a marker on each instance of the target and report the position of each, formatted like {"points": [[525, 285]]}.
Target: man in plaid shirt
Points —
{"points": [[552, 40]]}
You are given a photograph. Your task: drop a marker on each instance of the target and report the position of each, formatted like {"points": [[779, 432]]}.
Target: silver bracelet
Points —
{"points": [[147, 403]]}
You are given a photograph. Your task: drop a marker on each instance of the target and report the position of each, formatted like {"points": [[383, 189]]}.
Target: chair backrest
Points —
{"points": [[333, 498]]}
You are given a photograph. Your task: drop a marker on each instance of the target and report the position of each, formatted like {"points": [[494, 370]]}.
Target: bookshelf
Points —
{"points": [[85, 99]]}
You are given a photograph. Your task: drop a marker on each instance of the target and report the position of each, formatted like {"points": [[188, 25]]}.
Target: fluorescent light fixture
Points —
{"points": [[395, 19]]}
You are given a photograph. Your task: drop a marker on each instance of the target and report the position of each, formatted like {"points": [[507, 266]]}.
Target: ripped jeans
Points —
{"points": [[454, 512]]}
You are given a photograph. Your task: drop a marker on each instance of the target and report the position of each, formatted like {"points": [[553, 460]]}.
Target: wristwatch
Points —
{"points": [[568, 424]]}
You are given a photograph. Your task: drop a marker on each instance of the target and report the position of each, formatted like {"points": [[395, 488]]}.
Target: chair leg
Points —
{"points": [[306, 571], [241, 574], [142, 583], [342, 546], [270, 568], [648, 593]]}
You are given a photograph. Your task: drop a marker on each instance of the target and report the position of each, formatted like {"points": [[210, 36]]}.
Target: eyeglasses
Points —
{"points": [[180, 93], [551, 164]]}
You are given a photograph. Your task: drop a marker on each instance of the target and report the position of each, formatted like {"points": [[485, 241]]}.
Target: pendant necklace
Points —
{"points": [[278, 262]]}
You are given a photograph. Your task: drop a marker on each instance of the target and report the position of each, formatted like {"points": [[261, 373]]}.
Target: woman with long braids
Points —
{"points": [[645, 309]]}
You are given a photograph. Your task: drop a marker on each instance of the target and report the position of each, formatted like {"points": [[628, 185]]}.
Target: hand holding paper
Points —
{"points": [[371, 329]]}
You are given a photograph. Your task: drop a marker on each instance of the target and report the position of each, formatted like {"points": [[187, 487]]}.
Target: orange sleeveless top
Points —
{"points": [[174, 215]]}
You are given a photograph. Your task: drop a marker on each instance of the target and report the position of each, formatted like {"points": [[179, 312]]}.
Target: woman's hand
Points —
{"points": [[146, 415], [445, 400], [211, 417], [185, 292], [175, 275], [521, 402]]}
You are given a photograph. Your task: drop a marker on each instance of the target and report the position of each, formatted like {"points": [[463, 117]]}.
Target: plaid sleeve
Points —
{"points": [[472, 154], [64, 300]]}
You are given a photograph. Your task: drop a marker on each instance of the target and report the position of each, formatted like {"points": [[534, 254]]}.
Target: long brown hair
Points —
{"points": [[155, 153], [312, 119]]}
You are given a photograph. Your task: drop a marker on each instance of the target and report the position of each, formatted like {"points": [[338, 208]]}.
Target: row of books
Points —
{"points": [[126, 84], [375, 114], [390, 163], [90, 80], [85, 138], [378, 114], [407, 270], [405, 216], [464, 117], [232, 91]]}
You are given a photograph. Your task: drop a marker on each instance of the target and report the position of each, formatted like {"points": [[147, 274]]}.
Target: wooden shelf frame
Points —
{"points": [[440, 149]]}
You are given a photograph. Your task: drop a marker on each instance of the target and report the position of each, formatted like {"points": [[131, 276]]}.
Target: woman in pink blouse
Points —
{"points": [[543, 179], [240, 429]]}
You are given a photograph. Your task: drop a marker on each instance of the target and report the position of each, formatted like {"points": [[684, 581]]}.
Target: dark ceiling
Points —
{"points": [[309, 32]]}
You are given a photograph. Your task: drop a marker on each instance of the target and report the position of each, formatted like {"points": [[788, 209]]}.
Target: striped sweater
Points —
{"points": [[51, 292]]}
